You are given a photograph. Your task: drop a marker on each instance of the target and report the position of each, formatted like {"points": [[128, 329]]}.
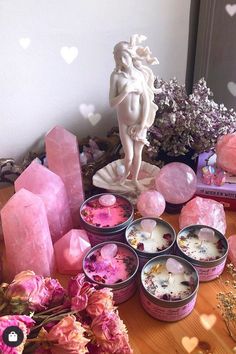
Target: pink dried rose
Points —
{"points": [[110, 334], [100, 301], [66, 337], [79, 290], [24, 323], [29, 291]]}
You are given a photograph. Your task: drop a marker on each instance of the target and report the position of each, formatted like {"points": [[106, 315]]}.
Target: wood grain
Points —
{"points": [[150, 336]]}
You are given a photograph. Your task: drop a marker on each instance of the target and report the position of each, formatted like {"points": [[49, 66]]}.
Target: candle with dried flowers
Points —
{"points": [[205, 247], [150, 237], [169, 287], [113, 265], [105, 217]]}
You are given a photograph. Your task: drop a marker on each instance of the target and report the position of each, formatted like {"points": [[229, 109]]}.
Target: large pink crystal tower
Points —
{"points": [[50, 188], [63, 159], [70, 251], [26, 235]]}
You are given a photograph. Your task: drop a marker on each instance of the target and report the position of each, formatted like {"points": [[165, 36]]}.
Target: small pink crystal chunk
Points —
{"points": [[109, 251], [151, 203], [70, 251], [232, 249], [26, 235], [50, 188], [206, 234], [177, 182], [107, 200], [205, 212], [63, 159], [148, 225], [173, 266], [226, 153]]}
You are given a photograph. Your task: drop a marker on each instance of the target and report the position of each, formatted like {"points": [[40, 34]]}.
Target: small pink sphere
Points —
{"points": [[226, 153], [107, 200], [177, 182], [151, 203]]}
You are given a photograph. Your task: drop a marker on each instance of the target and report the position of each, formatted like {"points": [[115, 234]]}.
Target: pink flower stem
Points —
{"points": [[52, 318]]}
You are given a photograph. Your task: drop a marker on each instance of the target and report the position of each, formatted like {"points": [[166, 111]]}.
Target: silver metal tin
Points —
{"points": [[121, 291], [166, 310], [207, 270], [144, 257]]}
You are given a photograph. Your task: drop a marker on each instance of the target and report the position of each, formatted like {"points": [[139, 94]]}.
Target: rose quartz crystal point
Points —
{"points": [[205, 212], [26, 235], [63, 159], [70, 251], [177, 182], [50, 188], [226, 153], [232, 249]]}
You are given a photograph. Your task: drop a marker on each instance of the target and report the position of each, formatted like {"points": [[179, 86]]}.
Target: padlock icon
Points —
{"points": [[12, 337]]}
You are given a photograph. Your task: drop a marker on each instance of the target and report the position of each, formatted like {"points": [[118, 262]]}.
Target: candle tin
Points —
{"points": [[106, 223], [168, 310], [207, 269], [169, 237], [122, 290]]}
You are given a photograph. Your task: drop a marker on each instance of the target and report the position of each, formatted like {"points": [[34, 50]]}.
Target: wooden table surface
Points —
{"points": [[149, 336]]}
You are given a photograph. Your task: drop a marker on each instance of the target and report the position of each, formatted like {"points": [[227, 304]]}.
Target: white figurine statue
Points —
{"points": [[132, 93]]}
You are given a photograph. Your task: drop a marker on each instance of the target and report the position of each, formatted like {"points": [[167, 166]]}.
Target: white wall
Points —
{"points": [[39, 90]]}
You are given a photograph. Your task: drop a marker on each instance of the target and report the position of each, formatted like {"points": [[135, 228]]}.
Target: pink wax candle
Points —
{"points": [[113, 265], [169, 287], [105, 217], [204, 247]]}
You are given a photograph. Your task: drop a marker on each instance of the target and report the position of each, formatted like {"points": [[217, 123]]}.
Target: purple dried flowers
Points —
{"points": [[184, 123]]}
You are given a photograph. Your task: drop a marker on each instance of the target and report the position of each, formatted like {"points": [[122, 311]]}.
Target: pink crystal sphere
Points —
{"points": [[107, 200], [226, 153], [203, 211], [173, 266], [177, 182], [109, 251], [232, 249], [151, 203], [148, 225]]}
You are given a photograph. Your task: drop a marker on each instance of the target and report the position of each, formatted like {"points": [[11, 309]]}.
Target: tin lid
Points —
{"points": [[159, 222], [98, 247], [195, 228], [160, 260], [123, 204]]}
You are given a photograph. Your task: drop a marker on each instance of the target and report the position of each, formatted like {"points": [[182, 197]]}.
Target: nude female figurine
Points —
{"points": [[132, 93]]}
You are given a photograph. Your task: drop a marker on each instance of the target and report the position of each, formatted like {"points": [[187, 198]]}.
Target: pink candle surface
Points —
{"points": [[115, 269], [102, 216]]}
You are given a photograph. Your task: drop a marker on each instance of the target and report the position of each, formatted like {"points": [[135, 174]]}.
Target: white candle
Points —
{"points": [[199, 248], [165, 285], [159, 239]]}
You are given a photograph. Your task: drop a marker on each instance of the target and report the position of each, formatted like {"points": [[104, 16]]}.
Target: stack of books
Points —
{"points": [[225, 194]]}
